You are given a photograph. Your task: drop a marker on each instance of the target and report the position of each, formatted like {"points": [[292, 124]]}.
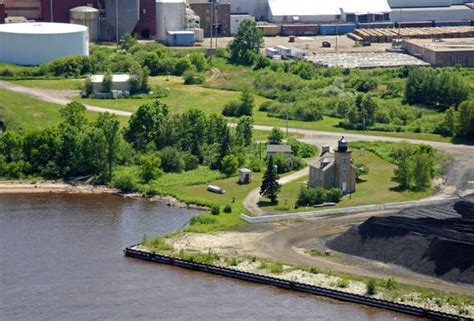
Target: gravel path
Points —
{"points": [[252, 199]]}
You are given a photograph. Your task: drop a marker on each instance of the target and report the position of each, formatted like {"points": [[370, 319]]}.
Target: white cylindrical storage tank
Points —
{"points": [[170, 16], [86, 16], [38, 43]]}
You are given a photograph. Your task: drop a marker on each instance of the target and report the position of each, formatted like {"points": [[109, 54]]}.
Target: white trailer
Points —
{"points": [[283, 51]]}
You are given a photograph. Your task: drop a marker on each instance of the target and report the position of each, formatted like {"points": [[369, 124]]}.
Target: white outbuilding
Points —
{"points": [[37, 43]]}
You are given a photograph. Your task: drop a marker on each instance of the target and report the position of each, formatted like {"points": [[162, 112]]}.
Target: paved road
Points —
{"points": [[252, 199]]}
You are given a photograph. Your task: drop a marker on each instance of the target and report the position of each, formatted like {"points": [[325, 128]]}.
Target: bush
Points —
{"points": [[371, 287], [231, 109], [202, 219], [276, 268], [390, 284], [227, 209], [191, 162], [229, 165], [192, 77], [157, 244], [125, 181], [309, 196], [342, 283], [172, 160], [215, 210]]}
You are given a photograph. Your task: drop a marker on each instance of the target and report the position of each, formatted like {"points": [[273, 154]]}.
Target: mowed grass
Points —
{"points": [[55, 84], [191, 187], [180, 97], [21, 112], [234, 196], [375, 188]]}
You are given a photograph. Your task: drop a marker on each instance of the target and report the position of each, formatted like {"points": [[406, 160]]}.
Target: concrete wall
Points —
{"points": [[129, 14], [203, 10], [256, 8], [347, 210]]}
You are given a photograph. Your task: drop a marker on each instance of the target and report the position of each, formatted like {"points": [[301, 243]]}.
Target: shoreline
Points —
{"points": [[60, 187]]}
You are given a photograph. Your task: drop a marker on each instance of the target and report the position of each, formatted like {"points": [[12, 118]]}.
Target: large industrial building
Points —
{"points": [[155, 19]]}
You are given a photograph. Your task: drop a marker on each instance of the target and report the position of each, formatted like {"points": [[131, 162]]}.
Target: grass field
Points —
{"points": [[212, 100], [56, 84], [375, 188], [23, 112]]}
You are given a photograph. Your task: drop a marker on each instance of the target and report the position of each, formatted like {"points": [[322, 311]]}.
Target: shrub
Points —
{"points": [[313, 270], [233, 261], [276, 268], [371, 287], [191, 162], [231, 109], [342, 283], [157, 244], [309, 196], [215, 210], [192, 77], [202, 219], [227, 209], [125, 181], [229, 165], [172, 160], [150, 167], [390, 284]]}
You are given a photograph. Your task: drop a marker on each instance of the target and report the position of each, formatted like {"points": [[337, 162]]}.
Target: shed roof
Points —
{"points": [[115, 78], [278, 148]]}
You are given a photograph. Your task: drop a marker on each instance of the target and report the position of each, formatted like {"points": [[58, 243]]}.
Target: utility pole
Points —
{"points": [[212, 22], [116, 23], [286, 121], [51, 7]]}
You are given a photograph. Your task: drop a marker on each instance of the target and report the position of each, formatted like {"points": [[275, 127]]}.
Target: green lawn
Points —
{"points": [[23, 112], [191, 187], [56, 84], [376, 188]]}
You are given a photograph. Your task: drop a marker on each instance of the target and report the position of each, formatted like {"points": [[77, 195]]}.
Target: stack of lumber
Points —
{"points": [[388, 35]]}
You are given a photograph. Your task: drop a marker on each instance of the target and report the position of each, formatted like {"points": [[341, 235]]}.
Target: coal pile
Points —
{"points": [[433, 240]]}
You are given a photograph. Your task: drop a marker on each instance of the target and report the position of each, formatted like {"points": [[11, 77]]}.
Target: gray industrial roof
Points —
{"points": [[324, 7]]}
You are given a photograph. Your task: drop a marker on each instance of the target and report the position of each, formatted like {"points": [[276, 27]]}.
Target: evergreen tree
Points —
{"points": [[244, 131], [270, 186], [247, 102]]}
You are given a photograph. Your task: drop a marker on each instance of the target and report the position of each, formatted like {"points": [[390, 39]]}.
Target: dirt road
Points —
{"points": [[286, 245]]}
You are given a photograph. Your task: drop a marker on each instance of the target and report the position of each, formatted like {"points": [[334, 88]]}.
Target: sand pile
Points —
{"points": [[433, 240]]}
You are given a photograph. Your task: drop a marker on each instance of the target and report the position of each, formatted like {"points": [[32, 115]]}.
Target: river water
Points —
{"points": [[61, 259]]}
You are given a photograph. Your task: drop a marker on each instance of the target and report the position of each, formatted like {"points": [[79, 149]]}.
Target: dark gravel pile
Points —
{"points": [[433, 240]]}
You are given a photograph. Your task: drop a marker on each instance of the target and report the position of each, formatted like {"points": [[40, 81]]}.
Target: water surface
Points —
{"points": [[61, 259]]}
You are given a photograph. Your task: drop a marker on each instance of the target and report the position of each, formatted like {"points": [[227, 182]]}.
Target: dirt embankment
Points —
{"points": [[433, 240]]}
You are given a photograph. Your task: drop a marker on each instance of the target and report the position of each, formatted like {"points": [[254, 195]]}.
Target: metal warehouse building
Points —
{"points": [[38, 43], [284, 11]]}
